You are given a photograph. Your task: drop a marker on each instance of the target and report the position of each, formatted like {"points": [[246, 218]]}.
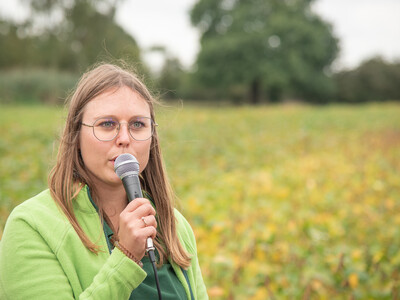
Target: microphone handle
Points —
{"points": [[133, 191], [132, 187]]}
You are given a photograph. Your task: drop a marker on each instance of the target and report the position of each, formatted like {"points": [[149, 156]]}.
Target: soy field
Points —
{"points": [[286, 202]]}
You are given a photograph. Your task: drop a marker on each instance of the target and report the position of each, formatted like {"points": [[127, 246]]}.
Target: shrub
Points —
{"points": [[35, 85]]}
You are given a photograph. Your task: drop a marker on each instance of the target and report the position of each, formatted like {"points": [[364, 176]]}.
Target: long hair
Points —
{"points": [[69, 174]]}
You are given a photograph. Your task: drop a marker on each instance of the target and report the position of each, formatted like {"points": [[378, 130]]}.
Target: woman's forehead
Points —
{"points": [[118, 102]]}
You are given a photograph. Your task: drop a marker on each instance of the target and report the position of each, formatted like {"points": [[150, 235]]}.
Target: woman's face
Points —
{"points": [[122, 105]]}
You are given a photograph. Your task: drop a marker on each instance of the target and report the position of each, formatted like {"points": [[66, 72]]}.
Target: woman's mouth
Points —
{"points": [[113, 160]]}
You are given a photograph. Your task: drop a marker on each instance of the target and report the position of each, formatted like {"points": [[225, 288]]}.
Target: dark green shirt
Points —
{"points": [[171, 287]]}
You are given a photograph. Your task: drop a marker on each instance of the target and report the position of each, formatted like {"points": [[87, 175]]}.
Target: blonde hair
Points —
{"points": [[69, 174]]}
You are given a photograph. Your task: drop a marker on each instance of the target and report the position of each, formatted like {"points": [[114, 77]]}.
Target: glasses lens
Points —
{"points": [[105, 129], [141, 129]]}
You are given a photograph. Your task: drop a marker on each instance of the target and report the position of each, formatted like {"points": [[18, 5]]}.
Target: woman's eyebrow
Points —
{"points": [[116, 118]]}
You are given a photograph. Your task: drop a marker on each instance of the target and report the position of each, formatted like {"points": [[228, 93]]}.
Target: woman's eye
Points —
{"points": [[107, 124], [136, 125]]}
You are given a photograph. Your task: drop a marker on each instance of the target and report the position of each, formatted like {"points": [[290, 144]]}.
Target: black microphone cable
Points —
{"points": [[150, 251]]}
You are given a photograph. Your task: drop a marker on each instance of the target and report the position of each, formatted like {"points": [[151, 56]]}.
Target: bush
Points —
{"points": [[374, 80], [35, 85]]}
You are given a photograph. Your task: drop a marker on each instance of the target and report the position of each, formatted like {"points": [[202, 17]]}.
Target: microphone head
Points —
{"points": [[126, 164]]}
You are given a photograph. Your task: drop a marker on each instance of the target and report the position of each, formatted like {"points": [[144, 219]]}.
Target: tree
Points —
{"points": [[374, 80], [12, 47], [268, 47], [171, 78], [72, 34]]}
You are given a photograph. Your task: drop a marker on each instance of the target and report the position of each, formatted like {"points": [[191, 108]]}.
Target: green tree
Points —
{"points": [[374, 80], [12, 46], [72, 34], [269, 48], [171, 78]]}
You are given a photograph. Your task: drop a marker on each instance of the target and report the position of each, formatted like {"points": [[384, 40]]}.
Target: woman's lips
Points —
{"points": [[113, 160]]}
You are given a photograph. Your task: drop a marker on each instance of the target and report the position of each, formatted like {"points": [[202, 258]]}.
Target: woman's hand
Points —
{"points": [[133, 230]]}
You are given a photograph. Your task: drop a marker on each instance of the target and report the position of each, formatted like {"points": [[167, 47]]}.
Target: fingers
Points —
{"points": [[137, 222], [139, 232], [137, 209], [149, 221], [149, 231], [138, 215], [140, 205], [134, 236]]}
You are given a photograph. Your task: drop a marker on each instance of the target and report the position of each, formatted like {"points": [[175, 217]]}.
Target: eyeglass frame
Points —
{"points": [[153, 123]]}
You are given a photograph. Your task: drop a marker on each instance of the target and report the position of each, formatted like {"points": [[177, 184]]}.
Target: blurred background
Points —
{"points": [[281, 129], [251, 52]]}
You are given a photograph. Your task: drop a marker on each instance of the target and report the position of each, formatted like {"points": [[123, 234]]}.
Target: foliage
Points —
{"points": [[13, 48], [26, 152], [374, 80], [257, 47], [76, 34], [35, 85], [171, 78], [286, 201]]}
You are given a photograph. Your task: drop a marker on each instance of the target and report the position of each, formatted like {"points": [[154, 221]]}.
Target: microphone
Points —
{"points": [[127, 168]]}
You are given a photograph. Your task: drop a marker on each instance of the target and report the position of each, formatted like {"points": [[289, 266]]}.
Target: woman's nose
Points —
{"points": [[123, 136]]}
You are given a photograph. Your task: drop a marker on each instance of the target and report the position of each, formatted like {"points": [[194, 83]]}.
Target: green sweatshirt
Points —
{"points": [[42, 257]]}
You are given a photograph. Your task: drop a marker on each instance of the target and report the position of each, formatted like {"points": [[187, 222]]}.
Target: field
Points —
{"points": [[287, 202]]}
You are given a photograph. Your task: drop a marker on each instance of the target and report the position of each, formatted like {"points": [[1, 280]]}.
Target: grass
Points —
{"points": [[286, 201]]}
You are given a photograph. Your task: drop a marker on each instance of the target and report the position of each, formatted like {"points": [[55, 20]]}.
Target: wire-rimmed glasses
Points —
{"points": [[106, 129]]}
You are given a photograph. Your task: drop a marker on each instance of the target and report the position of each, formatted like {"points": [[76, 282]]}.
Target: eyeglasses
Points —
{"points": [[106, 129]]}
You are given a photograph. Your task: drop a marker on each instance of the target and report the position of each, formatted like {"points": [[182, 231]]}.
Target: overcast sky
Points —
{"points": [[365, 27]]}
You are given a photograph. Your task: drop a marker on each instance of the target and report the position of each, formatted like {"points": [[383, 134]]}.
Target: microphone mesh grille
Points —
{"points": [[125, 163]]}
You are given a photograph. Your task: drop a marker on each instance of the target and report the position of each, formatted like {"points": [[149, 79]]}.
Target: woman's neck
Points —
{"points": [[112, 201]]}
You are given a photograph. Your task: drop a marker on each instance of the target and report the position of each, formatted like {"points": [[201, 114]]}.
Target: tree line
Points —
{"points": [[252, 51]]}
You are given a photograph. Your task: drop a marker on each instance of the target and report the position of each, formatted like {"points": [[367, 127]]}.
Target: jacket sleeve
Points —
{"points": [[29, 269]]}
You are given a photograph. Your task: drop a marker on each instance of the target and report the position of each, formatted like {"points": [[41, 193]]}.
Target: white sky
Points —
{"points": [[365, 27]]}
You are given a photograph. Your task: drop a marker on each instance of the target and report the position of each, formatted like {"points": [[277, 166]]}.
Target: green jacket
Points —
{"points": [[42, 257]]}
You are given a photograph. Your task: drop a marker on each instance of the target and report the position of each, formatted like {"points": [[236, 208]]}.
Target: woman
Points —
{"points": [[81, 238]]}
